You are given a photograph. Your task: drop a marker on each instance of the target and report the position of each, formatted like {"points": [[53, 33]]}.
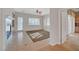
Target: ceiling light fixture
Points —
{"points": [[38, 12]]}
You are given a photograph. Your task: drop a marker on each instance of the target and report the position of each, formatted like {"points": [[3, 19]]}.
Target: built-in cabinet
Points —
{"points": [[77, 24]]}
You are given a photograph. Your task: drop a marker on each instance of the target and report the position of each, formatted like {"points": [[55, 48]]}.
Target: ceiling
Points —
{"points": [[44, 11]]}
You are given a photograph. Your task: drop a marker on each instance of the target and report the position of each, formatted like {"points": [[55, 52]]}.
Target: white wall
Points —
{"points": [[45, 26], [1, 31], [26, 24], [55, 26], [59, 27], [64, 17]]}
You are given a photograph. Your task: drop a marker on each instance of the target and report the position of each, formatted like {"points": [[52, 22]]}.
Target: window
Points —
{"points": [[20, 23], [34, 21], [48, 21]]}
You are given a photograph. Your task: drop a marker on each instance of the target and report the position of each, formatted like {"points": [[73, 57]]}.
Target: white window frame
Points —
{"points": [[34, 21]]}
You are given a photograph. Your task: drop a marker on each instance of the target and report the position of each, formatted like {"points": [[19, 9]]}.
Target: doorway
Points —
{"points": [[71, 24], [8, 31]]}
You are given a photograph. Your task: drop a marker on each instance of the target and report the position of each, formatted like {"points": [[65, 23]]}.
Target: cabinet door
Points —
{"points": [[77, 24]]}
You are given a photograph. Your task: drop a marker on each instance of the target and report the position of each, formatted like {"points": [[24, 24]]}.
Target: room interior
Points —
{"points": [[39, 29]]}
